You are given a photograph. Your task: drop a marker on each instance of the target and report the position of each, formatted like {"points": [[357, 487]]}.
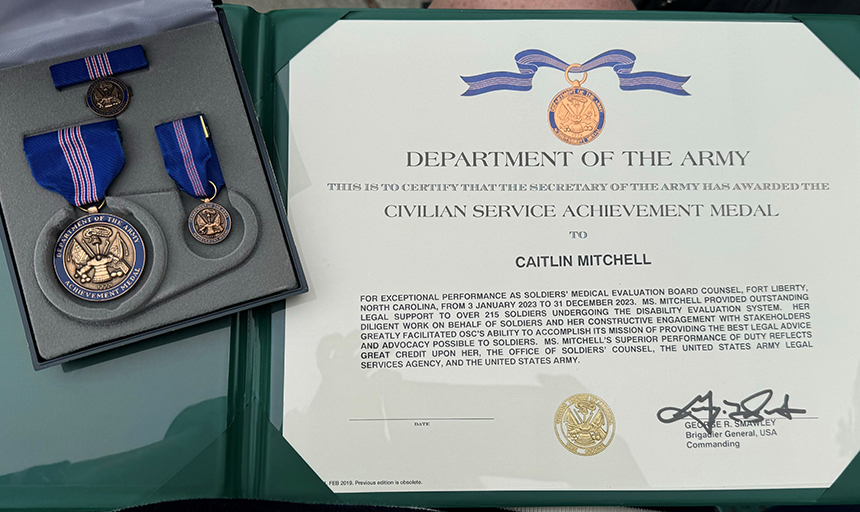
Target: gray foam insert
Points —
{"points": [[189, 72]]}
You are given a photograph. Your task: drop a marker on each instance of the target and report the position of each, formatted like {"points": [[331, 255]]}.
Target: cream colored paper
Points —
{"points": [[766, 261]]}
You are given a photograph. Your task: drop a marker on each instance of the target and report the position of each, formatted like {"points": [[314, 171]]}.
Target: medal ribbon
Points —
{"points": [[189, 156], [621, 61], [98, 66], [78, 163]]}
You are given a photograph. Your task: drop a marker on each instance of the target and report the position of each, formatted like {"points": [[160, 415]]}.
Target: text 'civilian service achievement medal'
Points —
{"points": [[190, 159], [100, 256], [576, 115], [107, 96]]}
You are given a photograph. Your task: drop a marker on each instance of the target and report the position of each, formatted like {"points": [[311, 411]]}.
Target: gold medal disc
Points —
{"points": [[584, 424], [576, 115]]}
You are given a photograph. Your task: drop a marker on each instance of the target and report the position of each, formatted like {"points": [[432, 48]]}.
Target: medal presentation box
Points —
{"points": [[191, 73]]}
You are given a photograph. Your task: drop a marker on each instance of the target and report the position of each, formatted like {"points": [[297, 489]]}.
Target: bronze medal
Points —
{"points": [[108, 97], [99, 257], [209, 223]]}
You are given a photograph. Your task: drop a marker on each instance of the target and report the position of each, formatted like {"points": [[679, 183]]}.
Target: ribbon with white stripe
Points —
{"points": [[98, 66], [78, 162], [528, 62]]}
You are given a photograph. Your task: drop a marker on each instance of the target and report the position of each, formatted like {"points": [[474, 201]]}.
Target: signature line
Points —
{"points": [[422, 419]]}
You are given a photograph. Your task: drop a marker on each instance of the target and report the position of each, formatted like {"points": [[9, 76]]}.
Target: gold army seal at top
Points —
{"points": [[584, 424]]}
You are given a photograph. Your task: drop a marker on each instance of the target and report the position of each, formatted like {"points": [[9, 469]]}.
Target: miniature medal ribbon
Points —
{"points": [[621, 61], [78, 163], [189, 156], [98, 66], [190, 159]]}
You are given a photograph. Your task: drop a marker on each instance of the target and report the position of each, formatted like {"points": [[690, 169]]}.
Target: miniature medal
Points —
{"points": [[576, 115], [107, 96], [100, 256], [190, 159], [209, 222]]}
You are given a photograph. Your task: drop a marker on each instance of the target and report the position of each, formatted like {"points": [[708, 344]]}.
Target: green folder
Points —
{"points": [[197, 413]]}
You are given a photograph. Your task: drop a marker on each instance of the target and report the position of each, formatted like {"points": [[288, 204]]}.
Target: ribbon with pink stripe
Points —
{"points": [[78, 162], [98, 66], [189, 156]]}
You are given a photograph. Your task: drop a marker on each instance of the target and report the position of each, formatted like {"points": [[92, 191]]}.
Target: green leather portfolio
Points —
{"points": [[553, 259]]}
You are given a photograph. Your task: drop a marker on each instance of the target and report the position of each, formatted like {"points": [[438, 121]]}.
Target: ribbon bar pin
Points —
{"points": [[98, 66]]}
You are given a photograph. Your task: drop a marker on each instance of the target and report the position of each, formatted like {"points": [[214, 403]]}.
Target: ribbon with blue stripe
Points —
{"points": [[621, 61], [98, 66], [78, 163], [189, 156]]}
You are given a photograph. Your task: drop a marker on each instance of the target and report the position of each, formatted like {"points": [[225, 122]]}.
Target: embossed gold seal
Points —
{"points": [[576, 115], [584, 424]]}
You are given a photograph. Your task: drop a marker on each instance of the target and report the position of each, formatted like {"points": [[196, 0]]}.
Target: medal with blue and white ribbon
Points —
{"points": [[99, 256], [575, 115], [190, 159], [107, 96]]}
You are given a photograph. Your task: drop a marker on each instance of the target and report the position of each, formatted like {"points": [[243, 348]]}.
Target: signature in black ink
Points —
{"points": [[703, 411]]}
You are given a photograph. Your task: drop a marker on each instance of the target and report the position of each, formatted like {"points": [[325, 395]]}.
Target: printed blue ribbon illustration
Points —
{"points": [[78, 163], [621, 61], [98, 66], [189, 156]]}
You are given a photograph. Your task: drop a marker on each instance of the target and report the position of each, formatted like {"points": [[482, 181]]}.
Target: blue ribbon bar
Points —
{"points": [[98, 66], [189, 156], [621, 61], [78, 163]]}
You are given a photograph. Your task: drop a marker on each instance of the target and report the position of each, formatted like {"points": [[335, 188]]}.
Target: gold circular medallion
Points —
{"points": [[99, 257], [584, 424], [576, 116]]}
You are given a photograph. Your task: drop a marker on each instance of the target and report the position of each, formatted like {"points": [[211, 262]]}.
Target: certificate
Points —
{"points": [[573, 255]]}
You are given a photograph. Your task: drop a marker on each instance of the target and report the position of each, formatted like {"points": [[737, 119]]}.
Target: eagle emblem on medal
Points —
{"points": [[576, 115], [584, 424], [209, 223], [99, 260], [108, 97]]}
